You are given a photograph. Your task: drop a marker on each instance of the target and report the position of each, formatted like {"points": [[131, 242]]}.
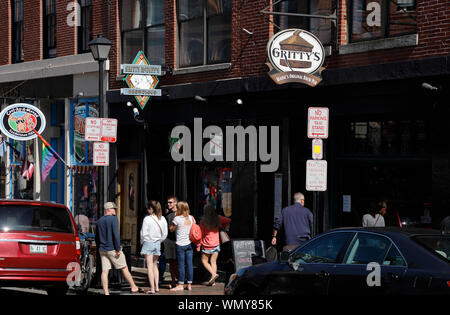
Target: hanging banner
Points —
{"points": [[295, 56], [18, 121]]}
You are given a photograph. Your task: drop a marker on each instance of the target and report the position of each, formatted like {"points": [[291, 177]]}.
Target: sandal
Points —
{"points": [[139, 290], [150, 292], [213, 280], [177, 288]]}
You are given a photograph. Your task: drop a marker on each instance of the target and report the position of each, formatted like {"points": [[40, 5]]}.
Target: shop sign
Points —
{"points": [[101, 153], [101, 129], [18, 121], [295, 56], [318, 122], [316, 175], [140, 79]]}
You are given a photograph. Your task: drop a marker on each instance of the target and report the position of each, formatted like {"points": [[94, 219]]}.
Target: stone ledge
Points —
{"points": [[379, 44]]}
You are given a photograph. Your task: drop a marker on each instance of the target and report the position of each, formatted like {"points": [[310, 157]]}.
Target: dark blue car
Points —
{"points": [[354, 261]]}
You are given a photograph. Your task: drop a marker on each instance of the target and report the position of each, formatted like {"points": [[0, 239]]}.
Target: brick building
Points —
{"points": [[385, 84]]}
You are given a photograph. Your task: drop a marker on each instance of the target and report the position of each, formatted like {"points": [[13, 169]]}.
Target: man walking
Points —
{"points": [[108, 242], [169, 242], [297, 221]]}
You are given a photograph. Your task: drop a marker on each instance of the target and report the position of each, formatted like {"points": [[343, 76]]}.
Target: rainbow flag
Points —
{"points": [[49, 158]]}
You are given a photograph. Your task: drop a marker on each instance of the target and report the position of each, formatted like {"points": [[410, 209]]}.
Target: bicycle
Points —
{"points": [[87, 263]]}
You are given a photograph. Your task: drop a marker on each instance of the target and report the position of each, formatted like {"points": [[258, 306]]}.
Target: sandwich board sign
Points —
{"points": [[316, 175], [318, 122]]}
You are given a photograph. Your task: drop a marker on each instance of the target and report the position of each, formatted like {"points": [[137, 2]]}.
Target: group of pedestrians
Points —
{"points": [[172, 232]]}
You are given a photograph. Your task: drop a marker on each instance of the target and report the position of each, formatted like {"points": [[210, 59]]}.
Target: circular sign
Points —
{"points": [[295, 50], [18, 121]]}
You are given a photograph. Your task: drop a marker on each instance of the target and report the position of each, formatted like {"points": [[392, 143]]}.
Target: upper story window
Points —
{"points": [[318, 26], [143, 28], [17, 31], [49, 29], [204, 32], [85, 28], [374, 19]]}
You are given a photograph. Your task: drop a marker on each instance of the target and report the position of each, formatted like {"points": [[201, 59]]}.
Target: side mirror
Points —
{"points": [[284, 257]]}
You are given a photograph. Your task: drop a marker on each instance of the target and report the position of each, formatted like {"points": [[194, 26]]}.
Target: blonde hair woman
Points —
{"points": [[153, 232], [181, 224], [210, 224]]}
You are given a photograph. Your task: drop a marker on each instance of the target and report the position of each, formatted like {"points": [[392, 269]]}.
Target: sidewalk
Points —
{"points": [[141, 280]]}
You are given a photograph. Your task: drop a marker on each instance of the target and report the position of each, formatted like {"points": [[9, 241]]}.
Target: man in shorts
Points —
{"points": [[169, 242], [108, 242]]}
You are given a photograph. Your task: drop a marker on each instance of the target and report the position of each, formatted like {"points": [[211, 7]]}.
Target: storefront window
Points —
{"points": [[386, 137], [84, 173], [22, 186], [319, 27], [217, 189], [381, 18]]}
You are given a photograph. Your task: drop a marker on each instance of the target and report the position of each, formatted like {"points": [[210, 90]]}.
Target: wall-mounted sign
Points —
{"points": [[17, 121], [295, 56], [141, 79]]}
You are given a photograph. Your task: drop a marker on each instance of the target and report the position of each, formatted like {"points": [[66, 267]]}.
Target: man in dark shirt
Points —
{"points": [[108, 242], [297, 221], [169, 242]]}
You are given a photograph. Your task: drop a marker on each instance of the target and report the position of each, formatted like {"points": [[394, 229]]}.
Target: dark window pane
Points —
{"points": [[130, 14], [437, 244], [189, 9], [132, 43], [394, 258], [321, 27], [155, 45], [402, 17], [155, 12], [367, 19], [191, 43], [219, 39]]}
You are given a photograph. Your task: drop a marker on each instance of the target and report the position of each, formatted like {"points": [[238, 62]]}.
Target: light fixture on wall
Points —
{"points": [[428, 86], [199, 98]]}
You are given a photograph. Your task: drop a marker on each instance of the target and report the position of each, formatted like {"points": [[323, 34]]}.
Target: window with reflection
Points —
{"points": [[376, 137], [325, 249], [367, 248], [374, 19], [204, 32], [320, 27], [142, 26]]}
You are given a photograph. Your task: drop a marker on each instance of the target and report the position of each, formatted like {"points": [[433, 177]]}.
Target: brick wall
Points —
{"points": [[33, 28], [66, 35], [5, 30]]}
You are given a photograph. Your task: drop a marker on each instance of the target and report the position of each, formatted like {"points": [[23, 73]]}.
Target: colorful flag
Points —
{"points": [[49, 158]]}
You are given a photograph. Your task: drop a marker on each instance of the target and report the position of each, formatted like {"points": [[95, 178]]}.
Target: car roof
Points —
{"points": [[390, 231], [30, 202]]}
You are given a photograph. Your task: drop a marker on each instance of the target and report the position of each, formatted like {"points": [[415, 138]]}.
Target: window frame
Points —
{"points": [[204, 20], [17, 49], [143, 28], [385, 27], [85, 29], [49, 24]]}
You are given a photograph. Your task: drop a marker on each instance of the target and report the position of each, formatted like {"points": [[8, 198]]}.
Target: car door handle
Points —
{"points": [[323, 273], [391, 275]]}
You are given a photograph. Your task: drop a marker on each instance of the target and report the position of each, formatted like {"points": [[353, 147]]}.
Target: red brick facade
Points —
{"points": [[248, 52]]}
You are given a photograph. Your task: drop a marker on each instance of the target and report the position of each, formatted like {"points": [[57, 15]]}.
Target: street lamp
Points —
{"points": [[100, 48]]}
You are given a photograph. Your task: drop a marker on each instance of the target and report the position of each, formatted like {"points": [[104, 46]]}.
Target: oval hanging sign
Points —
{"points": [[17, 121], [295, 55]]}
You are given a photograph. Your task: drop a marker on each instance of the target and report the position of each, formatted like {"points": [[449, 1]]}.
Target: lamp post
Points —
{"points": [[100, 48]]}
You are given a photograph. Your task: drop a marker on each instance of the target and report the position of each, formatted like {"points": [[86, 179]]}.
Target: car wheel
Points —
{"points": [[57, 290]]}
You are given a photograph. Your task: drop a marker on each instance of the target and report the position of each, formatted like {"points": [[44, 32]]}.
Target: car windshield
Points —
{"points": [[34, 218], [439, 244]]}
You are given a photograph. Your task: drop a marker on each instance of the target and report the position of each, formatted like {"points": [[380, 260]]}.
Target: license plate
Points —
{"points": [[38, 249]]}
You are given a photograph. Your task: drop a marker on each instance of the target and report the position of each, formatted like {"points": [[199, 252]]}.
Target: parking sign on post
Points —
{"points": [[318, 122], [101, 153], [316, 175]]}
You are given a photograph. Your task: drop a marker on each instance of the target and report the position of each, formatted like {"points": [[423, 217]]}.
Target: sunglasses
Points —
{"points": [[169, 201]]}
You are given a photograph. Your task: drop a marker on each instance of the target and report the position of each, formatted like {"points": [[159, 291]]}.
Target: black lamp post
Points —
{"points": [[100, 48]]}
